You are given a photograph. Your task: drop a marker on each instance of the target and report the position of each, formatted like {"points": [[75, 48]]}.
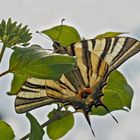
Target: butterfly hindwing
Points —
{"points": [[38, 92]]}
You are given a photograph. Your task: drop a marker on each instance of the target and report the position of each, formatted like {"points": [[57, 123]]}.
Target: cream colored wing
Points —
{"points": [[38, 92]]}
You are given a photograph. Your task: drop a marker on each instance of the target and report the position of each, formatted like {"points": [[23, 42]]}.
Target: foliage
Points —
{"points": [[6, 132], [36, 62], [37, 131], [64, 34], [12, 34], [61, 126], [117, 95], [109, 34]]}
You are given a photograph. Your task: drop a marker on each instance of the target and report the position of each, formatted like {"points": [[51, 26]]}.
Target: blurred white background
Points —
{"points": [[90, 17]]}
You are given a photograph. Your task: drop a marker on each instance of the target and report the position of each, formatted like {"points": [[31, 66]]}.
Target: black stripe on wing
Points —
{"points": [[32, 86], [106, 48], [114, 44], [86, 57], [35, 86], [129, 48]]}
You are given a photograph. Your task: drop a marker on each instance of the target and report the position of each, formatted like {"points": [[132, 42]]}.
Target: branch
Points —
{"points": [[54, 118], [3, 73], [2, 52]]}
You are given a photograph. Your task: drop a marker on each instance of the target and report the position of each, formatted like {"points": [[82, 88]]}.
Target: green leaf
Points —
{"points": [[36, 62], [9, 23], [60, 127], [12, 34], [109, 34], [6, 132], [17, 82], [3, 25], [117, 94], [37, 131], [63, 34]]}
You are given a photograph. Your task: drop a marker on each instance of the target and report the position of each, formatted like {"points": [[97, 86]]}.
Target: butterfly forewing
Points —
{"points": [[115, 50]]}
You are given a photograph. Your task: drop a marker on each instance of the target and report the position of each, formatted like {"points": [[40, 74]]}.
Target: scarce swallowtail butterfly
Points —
{"points": [[81, 88]]}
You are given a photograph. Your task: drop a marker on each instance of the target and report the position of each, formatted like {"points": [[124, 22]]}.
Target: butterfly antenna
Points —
{"points": [[105, 107], [43, 35], [56, 43], [60, 29], [88, 120]]}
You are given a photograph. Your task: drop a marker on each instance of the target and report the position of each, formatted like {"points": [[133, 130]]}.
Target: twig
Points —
{"points": [[2, 52], [55, 117], [3, 73]]}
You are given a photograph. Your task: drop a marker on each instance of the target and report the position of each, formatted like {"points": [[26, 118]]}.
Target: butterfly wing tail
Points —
{"points": [[85, 112]]}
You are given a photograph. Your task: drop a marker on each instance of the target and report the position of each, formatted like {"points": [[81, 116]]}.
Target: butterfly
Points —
{"points": [[81, 88]]}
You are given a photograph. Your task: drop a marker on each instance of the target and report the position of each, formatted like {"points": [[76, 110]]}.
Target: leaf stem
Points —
{"points": [[3, 73], [54, 118], [2, 52]]}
